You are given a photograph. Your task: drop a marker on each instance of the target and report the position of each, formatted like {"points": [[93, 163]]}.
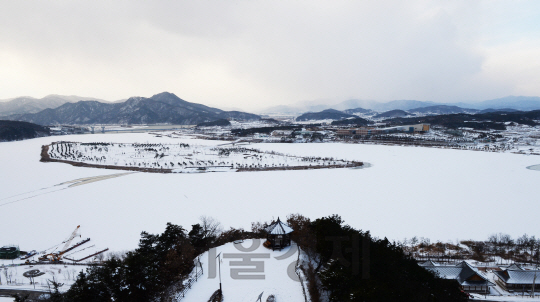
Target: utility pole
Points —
{"points": [[219, 263], [534, 281]]}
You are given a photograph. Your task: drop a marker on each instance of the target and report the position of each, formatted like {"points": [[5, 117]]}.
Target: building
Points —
{"points": [[278, 234], [281, 133], [356, 133], [515, 278], [409, 128], [9, 252], [470, 279]]}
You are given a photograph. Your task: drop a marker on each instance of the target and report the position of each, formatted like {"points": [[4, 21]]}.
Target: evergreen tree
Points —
{"points": [[380, 271]]}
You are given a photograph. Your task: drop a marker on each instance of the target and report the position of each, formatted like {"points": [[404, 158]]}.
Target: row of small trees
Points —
{"points": [[524, 249]]}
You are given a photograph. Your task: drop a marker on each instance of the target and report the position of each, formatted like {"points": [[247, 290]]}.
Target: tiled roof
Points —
{"points": [[519, 276], [514, 267], [429, 263], [279, 228], [446, 272], [462, 273]]}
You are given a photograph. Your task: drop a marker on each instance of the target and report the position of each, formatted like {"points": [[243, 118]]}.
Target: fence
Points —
{"points": [[300, 273], [187, 284], [438, 258]]}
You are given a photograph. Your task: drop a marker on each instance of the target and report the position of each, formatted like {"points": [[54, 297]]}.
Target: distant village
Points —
{"points": [[515, 138]]}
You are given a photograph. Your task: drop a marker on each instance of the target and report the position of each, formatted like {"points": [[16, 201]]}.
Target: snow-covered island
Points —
{"points": [[183, 157]]}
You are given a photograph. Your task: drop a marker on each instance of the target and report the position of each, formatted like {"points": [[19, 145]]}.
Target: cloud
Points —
{"points": [[254, 54]]}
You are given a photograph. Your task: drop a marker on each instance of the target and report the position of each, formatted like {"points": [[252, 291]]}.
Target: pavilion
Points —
{"points": [[278, 234]]}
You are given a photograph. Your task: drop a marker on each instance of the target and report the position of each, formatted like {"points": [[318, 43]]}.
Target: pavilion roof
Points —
{"points": [[279, 228]]}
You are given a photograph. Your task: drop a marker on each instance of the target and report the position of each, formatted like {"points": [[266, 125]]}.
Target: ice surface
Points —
{"points": [[408, 191]]}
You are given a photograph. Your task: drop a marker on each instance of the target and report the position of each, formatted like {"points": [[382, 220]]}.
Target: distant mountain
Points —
{"points": [[498, 110], [328, 114], [402, 105], [348, 104], [294, 110], [383, 106], [160, 108], [25, 104], [523, 103], [282, 109], [14, 130], [393, 114], [441, 109]]}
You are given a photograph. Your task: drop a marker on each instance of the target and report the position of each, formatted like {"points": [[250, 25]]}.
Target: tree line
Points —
{"points": [[341, 264]]}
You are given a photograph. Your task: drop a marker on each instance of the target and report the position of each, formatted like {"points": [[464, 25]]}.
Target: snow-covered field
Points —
{"points": [[63, 274], [238, 283], [441, 194]]}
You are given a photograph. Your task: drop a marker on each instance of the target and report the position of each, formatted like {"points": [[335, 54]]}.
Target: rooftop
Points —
{"points": [[279, 228]]}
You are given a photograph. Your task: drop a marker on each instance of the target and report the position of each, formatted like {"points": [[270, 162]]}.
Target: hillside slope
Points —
{"points": [[13, 130]]}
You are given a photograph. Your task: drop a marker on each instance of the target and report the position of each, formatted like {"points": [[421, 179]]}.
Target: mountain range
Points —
{"points": [[522, 103], [168, 108], [337, 115], [26, 104], [161, 108]]}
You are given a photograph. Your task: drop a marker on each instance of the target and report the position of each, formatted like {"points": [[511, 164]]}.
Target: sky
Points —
{"points": [[258, 54]]}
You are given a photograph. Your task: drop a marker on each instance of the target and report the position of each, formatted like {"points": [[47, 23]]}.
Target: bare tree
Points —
{"points": [[119, 255], [210, 226], [100, 257], [9, 274]]}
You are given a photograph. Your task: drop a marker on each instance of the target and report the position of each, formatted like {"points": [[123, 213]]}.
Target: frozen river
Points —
{"points": [[408, 191]]}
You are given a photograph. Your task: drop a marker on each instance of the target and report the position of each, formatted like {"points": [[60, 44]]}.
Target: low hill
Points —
{"points": [[393, 113], [160, 108], [484, 121], [359, 110], [221, 122], [328, 114], [13, 130], [352, 122], [499, 110]]}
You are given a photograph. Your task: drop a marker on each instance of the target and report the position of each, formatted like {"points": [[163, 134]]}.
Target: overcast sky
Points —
{"points": [[260, 53]]}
